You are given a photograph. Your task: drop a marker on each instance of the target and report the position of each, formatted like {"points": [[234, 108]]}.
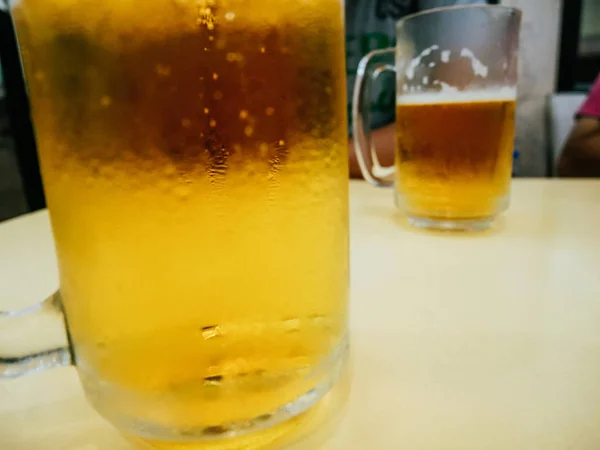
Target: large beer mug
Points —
{"points": [[194, 159], [456, 76]]}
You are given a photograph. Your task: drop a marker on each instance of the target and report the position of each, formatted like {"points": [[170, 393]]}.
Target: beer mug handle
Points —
{"points": [[369, 69], [33, 339]]}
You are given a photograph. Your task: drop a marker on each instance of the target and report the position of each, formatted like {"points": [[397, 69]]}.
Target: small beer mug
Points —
{"points": [[456, 76]]}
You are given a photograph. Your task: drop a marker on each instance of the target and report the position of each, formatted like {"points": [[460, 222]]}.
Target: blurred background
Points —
{"points": [[560, 58]]}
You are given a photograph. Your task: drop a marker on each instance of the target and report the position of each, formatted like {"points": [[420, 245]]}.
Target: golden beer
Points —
{"points": [[454, 153], [194, 156]]}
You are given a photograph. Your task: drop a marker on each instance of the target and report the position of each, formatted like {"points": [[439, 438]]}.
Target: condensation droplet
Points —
{"points": [[210, 26], [107, 171], [162, 70], [248, 131], [128, 155], [233, 57], [230, 16], [292, 325], [270, 111], [212, 123], [186, 123], [205, 110], [170, 170], [182, 190], [243, 114], [105, 101], [215, 76], [211, 331], [211, 38], [262, 49], [281, 142]]}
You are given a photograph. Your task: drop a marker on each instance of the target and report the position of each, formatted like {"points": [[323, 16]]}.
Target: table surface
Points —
{"points": [[483, 341]]}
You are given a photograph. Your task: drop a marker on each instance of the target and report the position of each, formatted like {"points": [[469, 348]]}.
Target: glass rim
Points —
{"points": [[441, 9]]}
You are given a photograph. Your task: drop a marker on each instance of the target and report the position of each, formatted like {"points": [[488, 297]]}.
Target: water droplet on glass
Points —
{"points": [[248, 131], [292, 325], [205, 110], [213, 380], [232, 57], [182, 191], [212, 123], [243, 114], [162, 70], [211, 331], [210, 26], [216, 430], [218, 95], [270, 111], [107, 171], [281, 142], [105, 101], [170, 170], [230, 16], [215, 76], [211, 38], [262, 49], [128, 155], [186, 123]]}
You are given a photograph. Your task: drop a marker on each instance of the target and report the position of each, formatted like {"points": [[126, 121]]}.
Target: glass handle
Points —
{"points": [[369, 69], [33, 339]]}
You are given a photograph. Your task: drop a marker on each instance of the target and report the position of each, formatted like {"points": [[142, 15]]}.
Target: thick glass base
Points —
{"points": [[263, 428], [311, 429], [480, 224]]}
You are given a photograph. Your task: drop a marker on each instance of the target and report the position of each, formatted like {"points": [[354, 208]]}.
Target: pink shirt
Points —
{"points": [[591, 106]]}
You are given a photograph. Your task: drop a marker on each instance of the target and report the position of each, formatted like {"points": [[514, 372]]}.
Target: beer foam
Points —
{"points": [[430, 98]]}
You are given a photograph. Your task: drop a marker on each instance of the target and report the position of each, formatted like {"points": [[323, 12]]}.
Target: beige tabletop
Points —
{"points": [[459, 342]]}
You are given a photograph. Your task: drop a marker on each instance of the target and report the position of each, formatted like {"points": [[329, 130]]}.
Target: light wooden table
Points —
{"points": [[460, 342]]}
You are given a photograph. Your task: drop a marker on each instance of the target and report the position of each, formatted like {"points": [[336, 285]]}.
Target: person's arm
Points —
{"points": [[581, 154], [383, 141]]}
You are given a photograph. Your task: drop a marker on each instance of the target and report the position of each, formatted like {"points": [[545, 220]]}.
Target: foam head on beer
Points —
{"points": [[451, 95]]}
